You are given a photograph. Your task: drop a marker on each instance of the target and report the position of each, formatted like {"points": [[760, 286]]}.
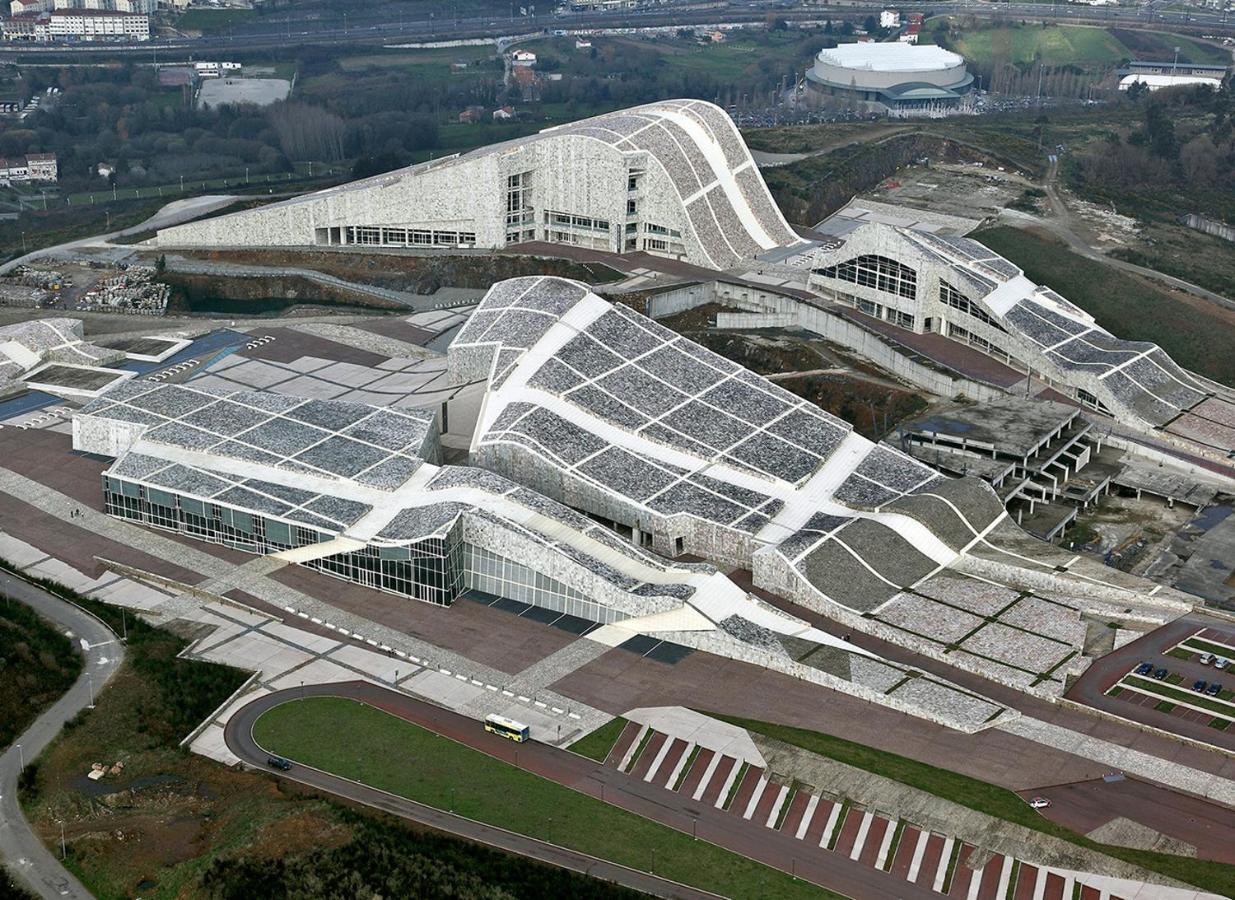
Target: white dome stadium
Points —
{"points": [[894, 74]]}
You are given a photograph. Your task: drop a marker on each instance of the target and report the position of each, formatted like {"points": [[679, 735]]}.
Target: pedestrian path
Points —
{"points": [[741, 785]]}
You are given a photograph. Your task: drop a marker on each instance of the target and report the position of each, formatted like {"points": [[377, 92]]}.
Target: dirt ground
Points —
{"points": [[970, 191], [1132, 531]]}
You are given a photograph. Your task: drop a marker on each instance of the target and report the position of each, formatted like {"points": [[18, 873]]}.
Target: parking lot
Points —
{"points": [[1168, 704], [1190, 680]]}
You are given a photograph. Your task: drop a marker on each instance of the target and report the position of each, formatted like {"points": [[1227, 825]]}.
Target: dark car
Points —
{"points": [[1144, 668], [1214, 689], [1160, 674], [1198, 685], [278, 762]]}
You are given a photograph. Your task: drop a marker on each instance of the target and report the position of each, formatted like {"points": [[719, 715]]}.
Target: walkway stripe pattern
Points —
{"points": [[824, 824]]}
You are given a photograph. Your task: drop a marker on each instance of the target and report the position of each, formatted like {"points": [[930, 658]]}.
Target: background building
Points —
{"points": [[901, 78], [672, 178]]}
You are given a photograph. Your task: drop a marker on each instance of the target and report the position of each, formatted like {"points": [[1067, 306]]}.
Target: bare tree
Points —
{"points": [[308, 132]]}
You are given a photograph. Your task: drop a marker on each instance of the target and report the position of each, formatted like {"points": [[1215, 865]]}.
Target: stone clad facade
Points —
{"points": [[671, 178]]}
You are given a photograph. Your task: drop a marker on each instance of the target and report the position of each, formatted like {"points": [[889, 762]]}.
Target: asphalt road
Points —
{"points": [[1092, 686], [103, 653], [725, 829], [385, 26], [1086, 805]]}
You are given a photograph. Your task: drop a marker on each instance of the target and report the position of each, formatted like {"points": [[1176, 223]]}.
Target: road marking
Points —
{"points": [[777, 804], [760, 787], [1005, 875], [881, 861], [660, 757], [811, 805], [944, 859], [831, 826], [918, 852], [681, 764], [707, 776], [863, 831], [728, 785]]}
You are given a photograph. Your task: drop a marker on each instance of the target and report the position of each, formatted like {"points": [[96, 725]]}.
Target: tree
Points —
{"points": [[1199, 160], [1160, 130]]}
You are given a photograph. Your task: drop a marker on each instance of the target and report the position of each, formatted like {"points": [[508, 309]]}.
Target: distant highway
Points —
{"points": [[373, 28]]}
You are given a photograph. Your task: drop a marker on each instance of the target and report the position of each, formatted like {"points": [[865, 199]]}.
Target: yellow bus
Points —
{"points": [[507, 728]]}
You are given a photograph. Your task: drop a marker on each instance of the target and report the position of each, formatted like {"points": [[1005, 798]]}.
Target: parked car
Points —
{"points": [[1221, 662], [1207, 658], [1159, 674], [1039, 803], [1214, 689], [278, 762], [1144, 668], [1198, 685]]}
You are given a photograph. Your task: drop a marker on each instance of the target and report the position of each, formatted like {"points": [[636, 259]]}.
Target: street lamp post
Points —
{"points": [[21, 758], [90, 682]]}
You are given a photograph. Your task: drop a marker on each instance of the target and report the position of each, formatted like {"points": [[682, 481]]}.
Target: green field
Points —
{"points": [[428, 65], [213, 20], [1191, 698], [396, 756], [1075, 45], [1196, 336], [598, 744], [1055, 45]]}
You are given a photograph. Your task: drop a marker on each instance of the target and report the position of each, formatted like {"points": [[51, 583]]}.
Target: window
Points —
{"points": [[876, 272], [950, 296], [871, 309], [519, 198], [632, 207], [903, 319], [654, 244]]}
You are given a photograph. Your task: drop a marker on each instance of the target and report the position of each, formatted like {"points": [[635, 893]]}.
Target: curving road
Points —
{"points": [[103, 653], [723, 829]]}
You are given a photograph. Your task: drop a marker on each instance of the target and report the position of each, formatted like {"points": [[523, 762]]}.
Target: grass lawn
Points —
{"points": [[986, 798], [598, 744], [1191, 698], [1203, 646], [428, 65], [213, 20], [1197, 337], [386, 752], [1056, 45]]}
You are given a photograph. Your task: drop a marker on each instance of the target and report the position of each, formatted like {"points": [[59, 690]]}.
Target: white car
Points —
{"points": [[1221, 662], [1207, 658], [1039, 803]]}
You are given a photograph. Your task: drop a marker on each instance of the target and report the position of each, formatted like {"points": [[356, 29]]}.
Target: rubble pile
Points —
{"points": [[132, 291]]}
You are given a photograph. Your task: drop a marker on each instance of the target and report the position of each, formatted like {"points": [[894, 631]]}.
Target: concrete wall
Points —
{"points": [[769, 309]]}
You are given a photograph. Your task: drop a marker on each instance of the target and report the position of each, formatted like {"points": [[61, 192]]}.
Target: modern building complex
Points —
{"points": [[604, 449], [671, 178], [29, 350], [675, 179], [926, 283], [899, 77]]}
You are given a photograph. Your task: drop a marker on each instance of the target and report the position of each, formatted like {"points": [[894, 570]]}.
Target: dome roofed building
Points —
{"points": [[899, 78]]}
